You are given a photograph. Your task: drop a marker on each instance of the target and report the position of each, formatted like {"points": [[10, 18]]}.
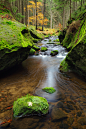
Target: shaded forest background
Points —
{"points": [[48, 13]]}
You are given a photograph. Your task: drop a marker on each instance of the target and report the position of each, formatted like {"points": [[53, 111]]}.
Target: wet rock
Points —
{"points": [[57, 114], [3, 126], [70, 120], [79, 113], [61, 35], [63, 106], [76, 125], [36, 53], [60, 96], [71, 102], [64, 126], [82, 121], [60, 105], [70, 107], [24, 123], [53, 53], [30, 105]]}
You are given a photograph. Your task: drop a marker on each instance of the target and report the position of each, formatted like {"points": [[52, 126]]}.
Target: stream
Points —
{"points": [[67, 106]]}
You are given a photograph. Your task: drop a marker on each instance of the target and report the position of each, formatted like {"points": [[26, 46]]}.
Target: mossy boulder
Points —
{"points": [[35, 34], [64, 67], [71, 34], [53, 53], [14, 47], [43, 49], [76, 58], [61, 35], [57, 40], [32, 51], [36, 48], [49, 90], [15, 43], [30, 105]]}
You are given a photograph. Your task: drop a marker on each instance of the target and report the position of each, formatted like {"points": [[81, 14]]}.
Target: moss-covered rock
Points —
{"points": [[36, 48], [76, 58], [43, 49], [16, 40], [14, 47], [64, 67], [53, 53], [32, 51], [35, 34], [71, 34], [57, 40], [49, 90], [30, 105], [61, 35]]}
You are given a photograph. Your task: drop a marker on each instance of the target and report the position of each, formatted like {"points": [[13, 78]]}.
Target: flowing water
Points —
{"points": [[67, 106]]}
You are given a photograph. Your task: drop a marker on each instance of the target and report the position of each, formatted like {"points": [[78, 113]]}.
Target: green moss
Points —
{"points": [[76, 58], [35, 34], [53, 53], [36, 48], [67, 40], [11, 36], [57, 40], [39, 105], [43, 49], [49, 40], [35, 40], [51, 43], [64, 67], [32, 51], [49, 90], [58, 43], [61, 35]]}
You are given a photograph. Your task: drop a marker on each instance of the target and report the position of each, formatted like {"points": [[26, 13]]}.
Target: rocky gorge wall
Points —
{"points": [[16, 40], [75, 41]]}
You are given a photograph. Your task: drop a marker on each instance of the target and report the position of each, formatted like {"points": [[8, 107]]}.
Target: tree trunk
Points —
{"points": [[33, 16], [7, 4], [43, 15], [51, 14], [24, 9], [16, 4], [26, 13], [36, 13], [63, 17], [70, 9], [83, 1], [81, 4], [73, 6], [76, 5]]}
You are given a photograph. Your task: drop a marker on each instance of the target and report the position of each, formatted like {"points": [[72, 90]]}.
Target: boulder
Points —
{"points": [[49, 90], [53, 53], [75, 40], [58, 114], [15, 43], [30, 105], [61, 35], [14, 47]]}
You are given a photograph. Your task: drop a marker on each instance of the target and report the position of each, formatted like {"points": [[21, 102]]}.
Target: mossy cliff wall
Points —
{"points": [[75, 40], [15, 42]]}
